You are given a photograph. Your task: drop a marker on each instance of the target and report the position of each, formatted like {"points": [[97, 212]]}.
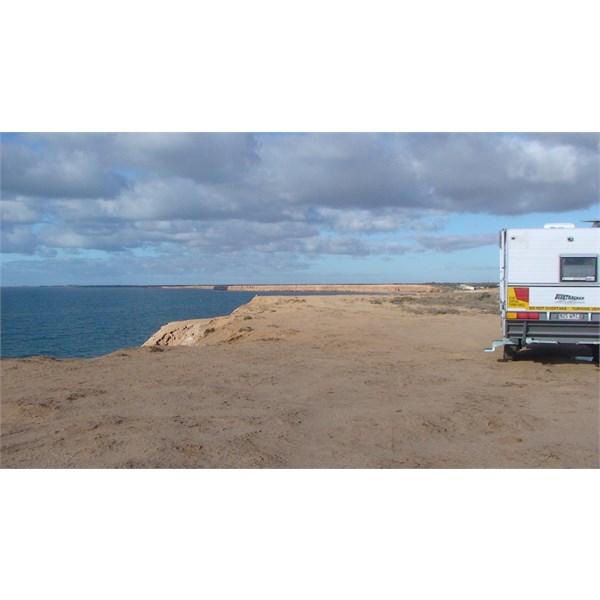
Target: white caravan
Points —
{"points": [[549, 287]]}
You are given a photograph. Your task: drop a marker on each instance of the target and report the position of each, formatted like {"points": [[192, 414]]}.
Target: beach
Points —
{"points": [[348, 381]]}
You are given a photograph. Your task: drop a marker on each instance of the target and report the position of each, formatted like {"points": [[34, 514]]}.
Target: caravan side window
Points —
{"points": [[578, 268]]}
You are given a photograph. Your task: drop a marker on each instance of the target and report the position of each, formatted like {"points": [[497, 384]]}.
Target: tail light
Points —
{"points": [[523, 315]]}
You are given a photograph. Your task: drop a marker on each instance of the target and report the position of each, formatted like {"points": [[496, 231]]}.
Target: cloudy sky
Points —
{"points": [[150, 208]]}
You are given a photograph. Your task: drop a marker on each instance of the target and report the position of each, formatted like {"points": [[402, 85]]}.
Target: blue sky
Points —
{"points": [[191, 208]]}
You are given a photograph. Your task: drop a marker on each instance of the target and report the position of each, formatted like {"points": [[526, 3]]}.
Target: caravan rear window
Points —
{"points": [[578, 268]]}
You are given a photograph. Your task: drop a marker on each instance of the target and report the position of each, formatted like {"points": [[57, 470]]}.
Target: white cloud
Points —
{"points": [[364, 221], [19, 210], [18, 239], [57, 172], [532, 161], [454, 243]]}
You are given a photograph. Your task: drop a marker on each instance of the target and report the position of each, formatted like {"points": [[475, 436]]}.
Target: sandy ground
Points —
{"points": [[320, 381]]}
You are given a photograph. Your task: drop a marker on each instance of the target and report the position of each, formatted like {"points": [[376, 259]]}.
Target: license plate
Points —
{"points": [[570, 317]]}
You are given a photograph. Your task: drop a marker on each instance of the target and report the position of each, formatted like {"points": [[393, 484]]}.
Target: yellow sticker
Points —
{"points": [[514, 302]]}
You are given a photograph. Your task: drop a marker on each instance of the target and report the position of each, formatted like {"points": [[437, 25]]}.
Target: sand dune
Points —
{"points": [[320, 381]]}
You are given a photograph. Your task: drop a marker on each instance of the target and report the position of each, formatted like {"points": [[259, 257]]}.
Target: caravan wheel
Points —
{"points": [[510, 352]]}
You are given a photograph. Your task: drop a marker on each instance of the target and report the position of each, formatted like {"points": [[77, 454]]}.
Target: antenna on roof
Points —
{"points": [[594, 222]]}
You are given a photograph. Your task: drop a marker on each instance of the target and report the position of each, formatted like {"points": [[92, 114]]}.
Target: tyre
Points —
{"points": [[510, 352]]}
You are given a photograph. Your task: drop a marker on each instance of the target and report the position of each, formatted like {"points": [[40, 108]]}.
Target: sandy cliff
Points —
{"points": [[246, 323], [251, 321]]}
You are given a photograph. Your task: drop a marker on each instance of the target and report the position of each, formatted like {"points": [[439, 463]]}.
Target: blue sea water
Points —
{"points": [[69, 322]]}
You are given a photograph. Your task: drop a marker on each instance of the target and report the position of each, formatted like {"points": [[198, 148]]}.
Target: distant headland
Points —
{"points": [[381, 288]]}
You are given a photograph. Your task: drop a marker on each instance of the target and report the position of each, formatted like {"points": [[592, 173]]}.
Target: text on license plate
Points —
{"points": [[570, 317]]}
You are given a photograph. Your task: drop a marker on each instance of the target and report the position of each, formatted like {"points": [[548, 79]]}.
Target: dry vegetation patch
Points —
{"points": [[446, 301]]}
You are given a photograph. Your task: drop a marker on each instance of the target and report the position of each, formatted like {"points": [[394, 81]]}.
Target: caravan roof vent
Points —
{"points": [[594, 222], [559, 226]]}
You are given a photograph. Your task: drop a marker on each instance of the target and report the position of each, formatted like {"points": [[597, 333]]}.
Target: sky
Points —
{"points": [[207, 208]]}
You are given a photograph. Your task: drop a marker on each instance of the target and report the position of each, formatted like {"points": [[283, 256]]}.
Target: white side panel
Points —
{"points": [[533, 255], [564, 298]]}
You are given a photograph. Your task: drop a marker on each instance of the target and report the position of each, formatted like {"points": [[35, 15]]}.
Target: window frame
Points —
{"points": [[576, 279]]}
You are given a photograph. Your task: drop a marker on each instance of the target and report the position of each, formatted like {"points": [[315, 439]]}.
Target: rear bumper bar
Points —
{"points": [[526, 332], [529, 341]]}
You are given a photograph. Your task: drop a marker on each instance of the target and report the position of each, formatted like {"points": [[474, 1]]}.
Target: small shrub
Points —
{"points": [[208, 331]]}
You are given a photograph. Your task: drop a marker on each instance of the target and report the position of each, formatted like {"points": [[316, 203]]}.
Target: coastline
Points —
{"points": [[310, 288]]}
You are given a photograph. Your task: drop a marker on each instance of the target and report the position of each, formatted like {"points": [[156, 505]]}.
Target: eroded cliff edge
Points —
{"points": [[274, 318], [249, 321]]}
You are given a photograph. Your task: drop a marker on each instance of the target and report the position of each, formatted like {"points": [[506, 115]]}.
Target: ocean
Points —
{"points": [[85, 322]]}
